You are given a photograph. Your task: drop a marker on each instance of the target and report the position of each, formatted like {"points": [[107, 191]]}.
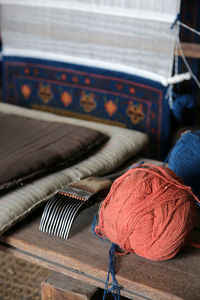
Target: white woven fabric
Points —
{"points": [[131, 36], [122, 145], [149, 9]]}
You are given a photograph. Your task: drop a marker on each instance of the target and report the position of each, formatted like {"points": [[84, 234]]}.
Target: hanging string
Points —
{"points": [[115, 289], [169, 95], [175, 21], [179, 23], [93, 226], [188, 27], [187, 65], [178, 46]]}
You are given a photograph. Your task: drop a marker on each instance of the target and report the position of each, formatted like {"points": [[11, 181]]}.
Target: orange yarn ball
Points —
{"points": [[148, 211]]}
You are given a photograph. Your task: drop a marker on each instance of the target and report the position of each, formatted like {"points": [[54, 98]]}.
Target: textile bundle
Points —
{"points": [[122, 145], [106, 62], [32, 148]]}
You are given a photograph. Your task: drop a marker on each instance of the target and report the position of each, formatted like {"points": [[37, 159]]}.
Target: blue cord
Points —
{"points": [[138, 164], [175, 21], [115, 289], [93, 227], [166, 159]]}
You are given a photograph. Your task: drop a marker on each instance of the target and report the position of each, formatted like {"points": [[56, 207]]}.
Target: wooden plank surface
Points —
{"points": [[60, 287], [191, 50], [85, 257]]}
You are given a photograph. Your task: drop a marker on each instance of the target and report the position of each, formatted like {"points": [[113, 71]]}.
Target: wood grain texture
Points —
{"points": [[191, 50], [85, 257], [60, 287]]}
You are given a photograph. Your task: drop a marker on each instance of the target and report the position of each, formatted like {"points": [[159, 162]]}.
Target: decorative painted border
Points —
{"points": [[90, 93]]}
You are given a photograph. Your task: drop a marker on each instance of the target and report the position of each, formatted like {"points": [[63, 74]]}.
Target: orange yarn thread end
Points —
{"points": [[148, 211]]}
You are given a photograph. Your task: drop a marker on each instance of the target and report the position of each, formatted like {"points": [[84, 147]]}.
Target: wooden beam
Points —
{"points": [[190, 50], [60, 287]]}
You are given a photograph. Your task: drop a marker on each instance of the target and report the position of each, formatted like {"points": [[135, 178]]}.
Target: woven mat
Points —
{"points": [[20, 280]]}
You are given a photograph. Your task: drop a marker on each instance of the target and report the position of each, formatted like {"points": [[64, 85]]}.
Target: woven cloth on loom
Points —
{"points": [[114, 33], [31, 148], [122, 145], [108, 61]]}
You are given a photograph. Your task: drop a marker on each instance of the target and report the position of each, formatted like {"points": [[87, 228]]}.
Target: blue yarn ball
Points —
{"points": [[184, 160], [182, 102]]}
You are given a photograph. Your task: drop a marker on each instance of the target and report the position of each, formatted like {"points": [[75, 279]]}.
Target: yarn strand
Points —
{"points": [[188, 27], [115, 290], [187, 65]]}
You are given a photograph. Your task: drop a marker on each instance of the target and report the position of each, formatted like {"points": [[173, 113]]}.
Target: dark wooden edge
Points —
{"points": [[76, 274], [191, 50]]}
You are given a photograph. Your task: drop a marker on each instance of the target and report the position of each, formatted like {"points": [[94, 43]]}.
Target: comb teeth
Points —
{"points": [[59, 214], [77, 193], [72, 196], [62, 208]]}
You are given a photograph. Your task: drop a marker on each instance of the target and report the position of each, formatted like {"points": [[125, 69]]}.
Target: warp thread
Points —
{"points": [[115, 289], [175, 21], [148, 211], [184, 160], [177, 24]]}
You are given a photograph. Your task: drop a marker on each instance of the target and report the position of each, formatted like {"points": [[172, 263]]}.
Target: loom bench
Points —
{"points": [[81, 263]]}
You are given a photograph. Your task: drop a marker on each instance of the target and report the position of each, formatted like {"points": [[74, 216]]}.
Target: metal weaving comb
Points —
{"points": [[62, 208]]}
